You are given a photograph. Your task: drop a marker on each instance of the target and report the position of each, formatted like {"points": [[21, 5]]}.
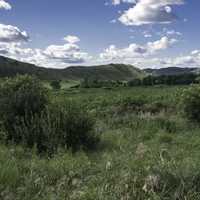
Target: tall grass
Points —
{"points": [[151, 152]]}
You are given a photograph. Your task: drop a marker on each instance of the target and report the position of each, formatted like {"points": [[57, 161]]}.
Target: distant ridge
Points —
{"points": [[170, 71], [10, 67]]}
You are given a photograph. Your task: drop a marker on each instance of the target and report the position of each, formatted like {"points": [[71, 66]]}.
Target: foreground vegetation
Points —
{"points": [[148, 149]]}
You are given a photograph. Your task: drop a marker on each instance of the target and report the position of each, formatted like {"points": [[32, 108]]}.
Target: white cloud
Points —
{"points": [[12, 38], [169, 32], [10, 33], [71, 39], [147, 35], [117, 2], [135, 50], [5, 5], [190, 60], [67, 53], [56, 56], [150, 12], [161, 44]]}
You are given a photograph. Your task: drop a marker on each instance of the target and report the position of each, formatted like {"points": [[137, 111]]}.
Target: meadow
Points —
{"points": [[147, 150]]}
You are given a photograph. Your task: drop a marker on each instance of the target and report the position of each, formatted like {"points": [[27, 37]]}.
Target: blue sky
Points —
{"points": [[145, 33]]}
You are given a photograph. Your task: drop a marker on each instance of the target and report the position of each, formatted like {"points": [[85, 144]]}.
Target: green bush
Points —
{"points": [[56, 84], [30, 119], [20, 97], [65, 126], [134, 82], [191, 103], [132, 104], [75, 127]]}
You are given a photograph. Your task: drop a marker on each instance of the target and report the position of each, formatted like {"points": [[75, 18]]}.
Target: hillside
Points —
{"points": [[104, 72], [10, 67], [170, 71]]}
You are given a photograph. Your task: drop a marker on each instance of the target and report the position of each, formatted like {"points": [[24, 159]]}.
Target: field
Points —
{"points": [[147, 150]]}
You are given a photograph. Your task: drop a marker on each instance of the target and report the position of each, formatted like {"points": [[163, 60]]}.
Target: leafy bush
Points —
{"points": [[30, 119], [56, 84], [20, 97], [65, 126], [134, 82], [74, 126], [191, 103], [95, 83]]}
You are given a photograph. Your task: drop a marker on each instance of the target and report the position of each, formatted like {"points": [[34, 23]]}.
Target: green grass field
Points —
{"points": [[147, 151]]}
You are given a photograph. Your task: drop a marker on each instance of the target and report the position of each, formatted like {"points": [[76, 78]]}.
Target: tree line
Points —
{"points": [[183, 79]]}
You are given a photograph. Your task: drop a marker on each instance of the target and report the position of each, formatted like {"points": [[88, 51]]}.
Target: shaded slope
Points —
{"points": [[10, 67], [170, 71]]}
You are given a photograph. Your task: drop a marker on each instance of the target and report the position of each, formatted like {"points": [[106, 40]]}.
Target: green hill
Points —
{"points": [[170, 71], [10, 67]]}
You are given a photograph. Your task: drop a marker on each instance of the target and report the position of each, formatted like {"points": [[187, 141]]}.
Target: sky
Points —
{"points": [[62, 33]]}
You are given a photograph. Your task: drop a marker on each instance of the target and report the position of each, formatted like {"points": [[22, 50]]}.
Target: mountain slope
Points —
{"points": [[10, 67], [104, 72], [170, 71]]}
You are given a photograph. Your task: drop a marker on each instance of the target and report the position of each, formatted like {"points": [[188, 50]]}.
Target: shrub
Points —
{"points": [[56, 84], [30, 119], [20, 97], [65, 126], [130, 104], [134, 82], [75, 127], [191, 103]]}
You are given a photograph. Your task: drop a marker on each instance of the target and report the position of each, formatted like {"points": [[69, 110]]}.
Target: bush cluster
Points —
{"points": [[29, 118], [56, 84], [191, 103], [95, 83], [181, 79]]}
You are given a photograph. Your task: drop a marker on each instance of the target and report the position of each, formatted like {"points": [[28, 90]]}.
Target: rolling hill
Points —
{"points": [[10, 67], [170, 71]]}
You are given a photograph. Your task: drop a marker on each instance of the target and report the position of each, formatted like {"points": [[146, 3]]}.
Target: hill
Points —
{"points": [[170, 71], [10, 67]]}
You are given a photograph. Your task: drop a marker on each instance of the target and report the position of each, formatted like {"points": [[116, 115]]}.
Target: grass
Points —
{"points": [[147, 151], [65, 84]]}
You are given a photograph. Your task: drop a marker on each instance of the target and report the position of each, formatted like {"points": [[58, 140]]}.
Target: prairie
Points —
{"points": [[147, 150]]}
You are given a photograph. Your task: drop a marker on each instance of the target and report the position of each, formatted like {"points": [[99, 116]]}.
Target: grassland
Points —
{"points": [[148, 150]]}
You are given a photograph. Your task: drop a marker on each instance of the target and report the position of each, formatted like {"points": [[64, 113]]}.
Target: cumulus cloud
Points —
{"points": [[10, 33], [150, 12], [57, 56], [113, 53], [71, 39], [117, 2], [67, 53], [147, 35], [53, 56], [191, 59], [169, 32], [161, 44], [135, 50], [5, 5]]}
